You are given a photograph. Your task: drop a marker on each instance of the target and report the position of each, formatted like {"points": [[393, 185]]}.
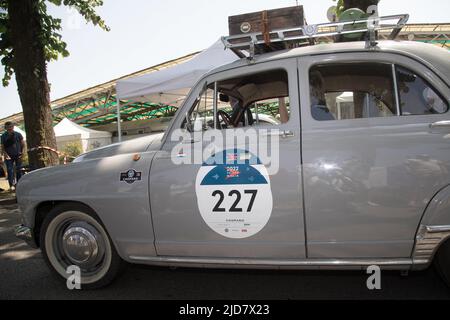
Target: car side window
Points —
{"points": [[255, 99], [416, 96], [352, 91], [258, 99]]}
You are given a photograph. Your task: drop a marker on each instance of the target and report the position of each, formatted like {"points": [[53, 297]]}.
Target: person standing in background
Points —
{"points": [[13, 147]]}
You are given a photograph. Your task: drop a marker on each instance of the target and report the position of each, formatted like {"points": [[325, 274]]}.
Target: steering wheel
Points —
{"points": [[226, 119]]}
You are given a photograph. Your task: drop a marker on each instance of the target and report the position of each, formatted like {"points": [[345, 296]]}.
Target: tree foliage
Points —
{"points": [[49, 38]]}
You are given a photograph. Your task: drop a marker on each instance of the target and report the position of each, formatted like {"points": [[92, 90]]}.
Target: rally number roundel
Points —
{"points": [[233, 194]]}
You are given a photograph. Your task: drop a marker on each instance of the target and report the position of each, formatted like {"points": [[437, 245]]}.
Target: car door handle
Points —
{"points": [[287, 134], [189, 141], [281, 133], [440, 124]]}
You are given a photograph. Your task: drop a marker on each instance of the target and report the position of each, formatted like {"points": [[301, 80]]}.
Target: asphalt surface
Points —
{"points": [[24, 275]]}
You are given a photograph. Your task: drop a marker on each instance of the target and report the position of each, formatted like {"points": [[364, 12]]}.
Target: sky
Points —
{"points": [[148, 32]]}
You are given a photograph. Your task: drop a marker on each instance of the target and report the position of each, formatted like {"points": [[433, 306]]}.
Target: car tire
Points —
{"points": [[442, 262], [73, 235]]}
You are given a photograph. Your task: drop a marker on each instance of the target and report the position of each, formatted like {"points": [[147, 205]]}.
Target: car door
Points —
{"points": [[247, 210], [372, 159]]}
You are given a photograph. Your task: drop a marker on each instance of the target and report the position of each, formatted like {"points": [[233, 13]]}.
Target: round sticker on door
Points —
{"points": [[233, 194]]}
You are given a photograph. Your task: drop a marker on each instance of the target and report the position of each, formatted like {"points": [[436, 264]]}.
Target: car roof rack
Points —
{"points": [[250, 44]]}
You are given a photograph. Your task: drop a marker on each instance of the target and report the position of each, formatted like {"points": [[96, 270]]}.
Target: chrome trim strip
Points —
{"points": [[165, 260], [433, 229], [428, 240], [397, 97]]}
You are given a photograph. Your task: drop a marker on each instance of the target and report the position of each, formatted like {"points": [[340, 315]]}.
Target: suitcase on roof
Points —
{"points": [[266, 21]]}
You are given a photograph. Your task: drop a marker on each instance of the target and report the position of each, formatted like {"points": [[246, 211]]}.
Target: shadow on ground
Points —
{"points": [[24, 275]]}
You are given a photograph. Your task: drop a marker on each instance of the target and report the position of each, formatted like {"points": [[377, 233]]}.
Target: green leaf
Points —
{"points": [[49, 38]]}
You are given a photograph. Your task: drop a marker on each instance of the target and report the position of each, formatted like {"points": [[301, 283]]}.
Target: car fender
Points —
{"points": [[101, 184]]}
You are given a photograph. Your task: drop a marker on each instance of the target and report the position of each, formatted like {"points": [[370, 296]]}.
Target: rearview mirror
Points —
{"points": [[224, 98]]}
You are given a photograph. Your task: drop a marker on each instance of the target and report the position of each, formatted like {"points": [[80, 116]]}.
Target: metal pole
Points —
{"points": [[214, 104], [119, 129], [257, 113]]}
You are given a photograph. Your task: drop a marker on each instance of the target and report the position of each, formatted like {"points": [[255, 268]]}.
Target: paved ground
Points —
{"points": [[23, 275]]}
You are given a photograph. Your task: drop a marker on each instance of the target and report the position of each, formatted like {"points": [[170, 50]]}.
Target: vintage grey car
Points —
{"points": [[363, 173]]}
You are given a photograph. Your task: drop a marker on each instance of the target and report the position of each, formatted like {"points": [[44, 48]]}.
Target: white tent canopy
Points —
{"points": [[68, 128], [170, 86], [68, 132]]}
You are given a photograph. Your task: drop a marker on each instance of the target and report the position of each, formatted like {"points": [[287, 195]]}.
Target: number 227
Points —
{"points": [[234, 207]]}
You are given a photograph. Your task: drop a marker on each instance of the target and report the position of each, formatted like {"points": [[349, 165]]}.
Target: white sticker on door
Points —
{"points": [[233, 194]]}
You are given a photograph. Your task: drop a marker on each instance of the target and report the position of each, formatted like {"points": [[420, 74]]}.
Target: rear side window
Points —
{"points": [[352, 91], [416, 96]]}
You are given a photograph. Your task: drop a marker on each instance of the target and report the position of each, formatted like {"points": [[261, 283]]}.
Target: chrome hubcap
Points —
{"points": [[83, 245]]}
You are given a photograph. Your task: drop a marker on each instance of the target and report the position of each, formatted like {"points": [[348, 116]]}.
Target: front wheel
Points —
{"points": [[72, 235]]}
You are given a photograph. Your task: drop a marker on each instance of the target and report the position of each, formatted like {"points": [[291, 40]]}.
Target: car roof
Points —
{"points": [[437, 59]]}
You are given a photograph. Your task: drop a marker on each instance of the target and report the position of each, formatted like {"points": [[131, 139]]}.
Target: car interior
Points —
{"points": [[340, 91], [256, 99], [367, 90]]}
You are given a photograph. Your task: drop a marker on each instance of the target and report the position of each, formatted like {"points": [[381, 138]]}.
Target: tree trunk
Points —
{"points": [[31, 75]]}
